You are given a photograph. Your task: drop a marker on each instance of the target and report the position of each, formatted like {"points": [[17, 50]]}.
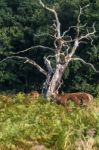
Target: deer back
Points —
{"points": [[80, 98], [35, 94]]}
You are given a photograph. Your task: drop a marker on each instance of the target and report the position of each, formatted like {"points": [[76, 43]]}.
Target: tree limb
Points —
{"points": [[89, 34], [77, 40], [83, 61], [33, 47], [74, 48], [57, 25], [65, 32], [27, 60], [59, 42], [48, 65]]}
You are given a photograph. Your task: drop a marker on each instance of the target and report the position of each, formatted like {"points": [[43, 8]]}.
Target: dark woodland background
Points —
{"points": [[20, 23]]}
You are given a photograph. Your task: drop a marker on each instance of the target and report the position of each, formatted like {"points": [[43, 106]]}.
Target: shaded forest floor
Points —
{"points": [[28, 124]]}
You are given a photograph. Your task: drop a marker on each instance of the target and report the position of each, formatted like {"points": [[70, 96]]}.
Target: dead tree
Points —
{"points": [[61, 41]]}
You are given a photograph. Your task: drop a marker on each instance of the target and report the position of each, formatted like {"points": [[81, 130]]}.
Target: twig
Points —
{"points": [[83, 61], [89, 34], [33, 47]]}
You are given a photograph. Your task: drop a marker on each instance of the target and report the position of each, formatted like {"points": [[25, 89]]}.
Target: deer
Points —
{"points": [[80, 98], [35, 94]]}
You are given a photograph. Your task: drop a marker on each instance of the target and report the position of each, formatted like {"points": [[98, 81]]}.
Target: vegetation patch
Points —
{"points": [[30, 124]]}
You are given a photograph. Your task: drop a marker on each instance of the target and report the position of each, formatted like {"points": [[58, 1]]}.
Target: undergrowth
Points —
{"points": [[29, 124]]}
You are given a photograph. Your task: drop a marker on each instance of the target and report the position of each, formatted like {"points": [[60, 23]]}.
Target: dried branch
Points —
{"points": [[26, 60], [65, 32], [77, 40], [57, 22], [74, 48], [33, 47], [79, 21], [75, 27], [53, 56], [89, 34], [67, 50], [48, 65], [58, 42], [83, 61]]}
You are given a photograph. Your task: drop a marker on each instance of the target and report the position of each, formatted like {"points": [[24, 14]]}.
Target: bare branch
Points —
{"points": [[33, 47], [74, 48], [83, 61], [48, 65], [75, 27], [92, 43], [80, 13], [65, 32], [57, 23], [70, 40], [84, 42], [89, 34], [77, 40], [55, 43], [67, 50], [78, 22], [53, 56], [27, 60], [85, 6], [78, 19]]}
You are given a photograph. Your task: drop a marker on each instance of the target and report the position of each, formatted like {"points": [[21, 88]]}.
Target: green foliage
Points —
{"points": [[26, 123], [20, 23]]}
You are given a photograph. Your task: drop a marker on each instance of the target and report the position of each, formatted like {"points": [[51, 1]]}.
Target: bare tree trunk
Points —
{"points": [[54, 81]]}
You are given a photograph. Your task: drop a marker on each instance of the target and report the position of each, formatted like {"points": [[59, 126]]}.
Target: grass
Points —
{"points": [[29, 124]]}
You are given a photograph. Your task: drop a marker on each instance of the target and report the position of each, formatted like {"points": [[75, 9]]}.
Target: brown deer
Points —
{"points": [[35, 94], [80, 98]]}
